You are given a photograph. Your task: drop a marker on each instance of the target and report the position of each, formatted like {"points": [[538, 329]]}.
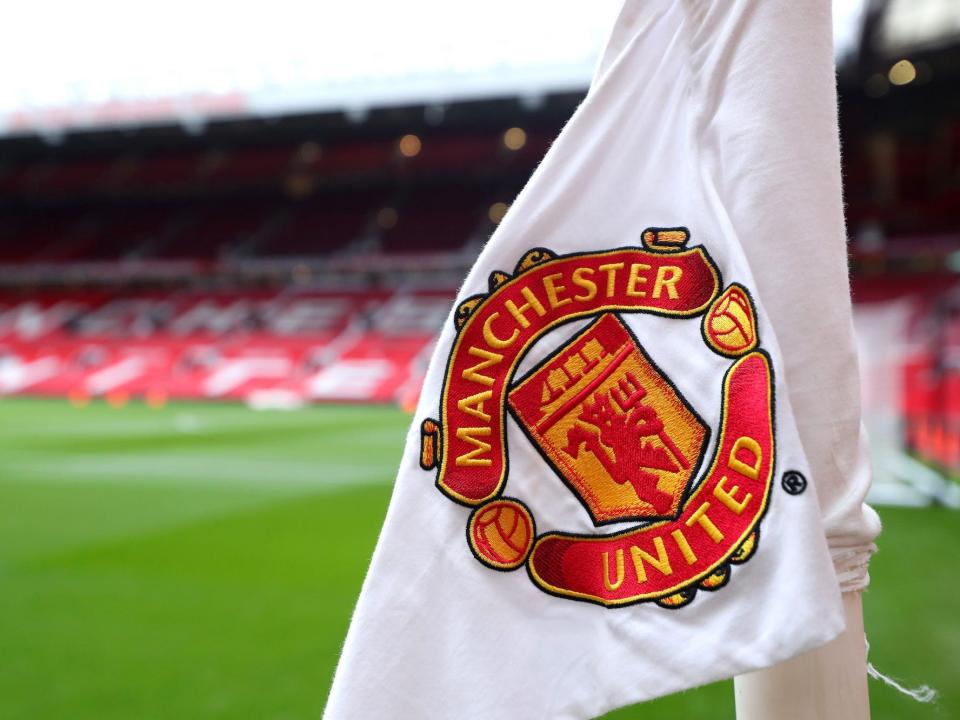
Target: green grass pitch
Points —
{"points": [[202, 561]]}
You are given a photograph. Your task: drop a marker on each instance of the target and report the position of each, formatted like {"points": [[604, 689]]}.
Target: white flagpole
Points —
{"points": [[829, 683]]}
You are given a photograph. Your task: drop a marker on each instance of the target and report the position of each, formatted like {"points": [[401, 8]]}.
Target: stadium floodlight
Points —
{"points": [[903, 72], [514, 138], [409, 145]]}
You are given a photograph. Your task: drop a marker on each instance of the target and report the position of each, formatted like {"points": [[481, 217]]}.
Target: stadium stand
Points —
{"points": [[321, 346], [316, 257], [210, 271]]}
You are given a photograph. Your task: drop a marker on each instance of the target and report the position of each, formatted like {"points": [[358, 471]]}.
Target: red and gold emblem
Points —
{"points": [[610, 423]]}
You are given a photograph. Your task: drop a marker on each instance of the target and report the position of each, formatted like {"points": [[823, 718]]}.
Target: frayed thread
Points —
{"points": [[922, 694]]}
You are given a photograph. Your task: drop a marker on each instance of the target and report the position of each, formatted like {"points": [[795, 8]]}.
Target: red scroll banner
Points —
{"points": [[496, 335], [661, 559]]}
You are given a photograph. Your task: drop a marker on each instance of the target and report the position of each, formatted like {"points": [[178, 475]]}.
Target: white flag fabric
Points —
{"points": [[640, 427]]}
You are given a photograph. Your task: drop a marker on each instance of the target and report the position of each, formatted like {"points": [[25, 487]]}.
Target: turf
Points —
{"points": [[201, 561]]}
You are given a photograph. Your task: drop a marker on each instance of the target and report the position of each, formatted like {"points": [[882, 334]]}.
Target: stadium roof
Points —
{"points": [[111, 63]]}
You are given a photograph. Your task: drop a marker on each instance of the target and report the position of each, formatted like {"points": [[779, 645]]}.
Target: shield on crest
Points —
{"points": [[612, 425]]}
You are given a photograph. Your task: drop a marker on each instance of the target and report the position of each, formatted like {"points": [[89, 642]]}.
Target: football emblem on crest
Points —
{"points": [[729, 325], [501, 533], [610, 423]]}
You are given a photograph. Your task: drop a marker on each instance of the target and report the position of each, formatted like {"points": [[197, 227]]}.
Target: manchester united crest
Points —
{"points": [[610, 423]]}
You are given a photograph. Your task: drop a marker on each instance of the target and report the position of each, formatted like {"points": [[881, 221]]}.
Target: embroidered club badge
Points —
{"points": [[610, 424]]}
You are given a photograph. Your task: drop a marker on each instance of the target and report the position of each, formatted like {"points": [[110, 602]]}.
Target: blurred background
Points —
{"points": [[228, 239]]}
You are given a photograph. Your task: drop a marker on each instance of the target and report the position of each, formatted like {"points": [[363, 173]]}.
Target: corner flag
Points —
{"points": [[640, 425]]}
